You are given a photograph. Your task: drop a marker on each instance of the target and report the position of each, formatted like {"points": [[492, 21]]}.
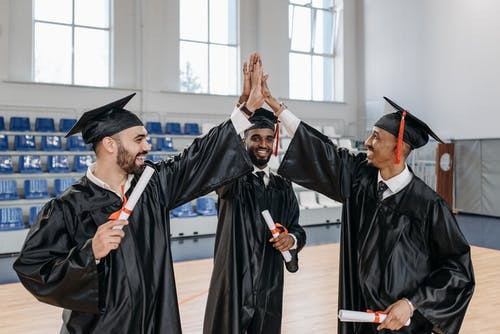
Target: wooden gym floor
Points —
{"points": [[310, 300]]}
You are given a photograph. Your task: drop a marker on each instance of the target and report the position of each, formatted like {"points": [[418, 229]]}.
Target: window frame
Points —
{"points": [[334, 10], [208, 43], [72, 25]]}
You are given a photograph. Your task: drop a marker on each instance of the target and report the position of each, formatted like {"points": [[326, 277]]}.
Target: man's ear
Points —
{"points": [[108, 144]]}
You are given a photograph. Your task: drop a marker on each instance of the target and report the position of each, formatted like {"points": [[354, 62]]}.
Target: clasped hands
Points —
{"points": [[255, 89]]}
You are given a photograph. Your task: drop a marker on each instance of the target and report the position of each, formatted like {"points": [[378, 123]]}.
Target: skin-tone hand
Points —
{"points": [[246, 83], [106, 239], [270, 100], [255, 98], [283, 242], [397, 316]]}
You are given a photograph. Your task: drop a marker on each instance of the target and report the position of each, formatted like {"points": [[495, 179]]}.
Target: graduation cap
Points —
{"points": [[105, 121], [265, 119], [405, 127]]}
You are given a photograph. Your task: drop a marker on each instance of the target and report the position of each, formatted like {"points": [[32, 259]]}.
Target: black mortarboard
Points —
{"points": [[105, 121], [263, 119], [416, 132]]}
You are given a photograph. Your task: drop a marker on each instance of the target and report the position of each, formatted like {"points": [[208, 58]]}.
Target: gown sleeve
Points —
{"points": [[445, 294], [313, 161], [208, 163], [55, 269], [293, 218]]}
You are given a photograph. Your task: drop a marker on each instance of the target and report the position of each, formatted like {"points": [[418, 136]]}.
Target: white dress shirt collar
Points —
{"points": [[396, 183], [100, 183]]}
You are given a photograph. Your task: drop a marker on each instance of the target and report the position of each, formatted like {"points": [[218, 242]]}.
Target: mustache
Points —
{"points": [[143, 152]]}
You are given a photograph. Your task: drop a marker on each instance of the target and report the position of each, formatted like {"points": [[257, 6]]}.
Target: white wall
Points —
{"points": [[146, 61], [438, 58]]}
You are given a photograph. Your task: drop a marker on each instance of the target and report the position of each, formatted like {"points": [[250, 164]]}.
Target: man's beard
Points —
{"points": [[126, 161], [256, 161]]}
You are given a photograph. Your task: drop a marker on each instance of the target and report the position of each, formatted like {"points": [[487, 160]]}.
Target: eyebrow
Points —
{"points": [[142, 135]]}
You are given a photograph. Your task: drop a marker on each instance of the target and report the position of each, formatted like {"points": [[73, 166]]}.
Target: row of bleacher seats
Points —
{"points": [[65, 124], [55, 164], [11, 218], [73, 143], [33, 188]]}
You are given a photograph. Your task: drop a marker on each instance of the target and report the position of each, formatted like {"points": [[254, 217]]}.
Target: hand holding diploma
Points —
{"points": [[275, 232], [370, 316]]}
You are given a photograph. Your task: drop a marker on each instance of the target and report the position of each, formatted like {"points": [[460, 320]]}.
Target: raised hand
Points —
{"points": [[106, 238], [255, 98], [246, 83]]}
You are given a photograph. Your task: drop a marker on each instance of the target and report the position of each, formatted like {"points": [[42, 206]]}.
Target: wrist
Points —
{"points": [[410, 305]]}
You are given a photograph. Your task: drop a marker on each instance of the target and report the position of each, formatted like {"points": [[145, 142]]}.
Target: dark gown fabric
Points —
{"points": [[407, 245], [246, 288], [132, 290]]}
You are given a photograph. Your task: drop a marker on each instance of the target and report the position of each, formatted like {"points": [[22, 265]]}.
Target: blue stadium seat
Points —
{"points": [[19, 124], [154, 158], [24, 143], [81, 162], [185, 211], [191, 129], [76, 143], [44, 124], [36, 188], [173, 128], [34, 210], [11, 219], [30, 164], [205, 206], [57, 164], [65, 124], [8, 190], [51, 143], [165, 144], [154, 128], [60, 185], [6, 166], [4, 143]]}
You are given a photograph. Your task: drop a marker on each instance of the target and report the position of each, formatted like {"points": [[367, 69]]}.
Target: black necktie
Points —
{"points": [[380, 190], [260, 175]]}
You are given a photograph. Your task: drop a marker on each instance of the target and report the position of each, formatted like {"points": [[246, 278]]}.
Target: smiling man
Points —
{"points": [[246, 289], [122, 281], [401, 249]]}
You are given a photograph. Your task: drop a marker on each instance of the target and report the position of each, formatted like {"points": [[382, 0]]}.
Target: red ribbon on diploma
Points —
{"points": [[377, 315], [279, 229]]}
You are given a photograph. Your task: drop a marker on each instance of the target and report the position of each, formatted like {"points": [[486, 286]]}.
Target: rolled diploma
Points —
{"points": [[136, 193], [270, 223], [356, 316]]}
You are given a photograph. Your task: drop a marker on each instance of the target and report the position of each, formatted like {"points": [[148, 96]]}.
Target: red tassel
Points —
{"points": [[399, 145], [277, 139]]}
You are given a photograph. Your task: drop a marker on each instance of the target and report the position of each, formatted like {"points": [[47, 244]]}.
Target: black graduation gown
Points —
{"points": [[246, 288], [132, 290], [408, 245]]}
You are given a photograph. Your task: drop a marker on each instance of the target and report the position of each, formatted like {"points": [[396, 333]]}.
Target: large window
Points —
{"points": [[313, 27], [208, 47], [71, 43]]}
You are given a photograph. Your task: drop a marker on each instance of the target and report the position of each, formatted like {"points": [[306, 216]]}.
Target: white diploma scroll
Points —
{"points": [[136, 193], [270, 223], [356, 316]]}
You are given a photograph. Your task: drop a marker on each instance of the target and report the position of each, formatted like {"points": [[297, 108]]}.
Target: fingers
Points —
{"points": [[283, 242], [106, 238], [112, 223], [245, 70]]}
